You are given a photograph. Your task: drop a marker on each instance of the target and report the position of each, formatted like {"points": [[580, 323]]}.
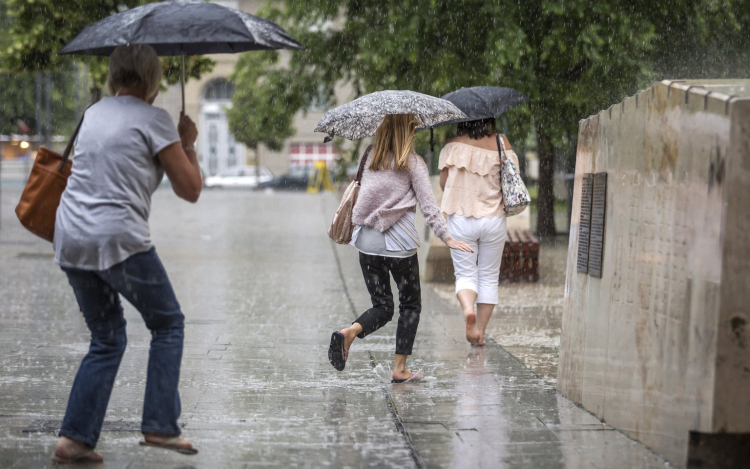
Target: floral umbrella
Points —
{"points": [[361, 117]]}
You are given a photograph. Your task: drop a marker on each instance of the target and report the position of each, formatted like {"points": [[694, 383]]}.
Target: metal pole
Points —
{"points": [[182, 80], [48, 108], [1, 167], [79, 94], [432, 153], [38, 116], [1, 182]]}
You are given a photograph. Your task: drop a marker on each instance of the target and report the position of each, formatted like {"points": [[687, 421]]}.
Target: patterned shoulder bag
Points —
{"points": [[515, 195]]}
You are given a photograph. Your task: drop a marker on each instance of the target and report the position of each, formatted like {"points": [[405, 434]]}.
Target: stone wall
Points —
{"points": [[660, 345]]}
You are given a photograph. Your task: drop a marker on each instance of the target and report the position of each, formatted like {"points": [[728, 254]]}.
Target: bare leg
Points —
{"points": [[484, 313], [350, 333], [399, 367], [467, 298]]}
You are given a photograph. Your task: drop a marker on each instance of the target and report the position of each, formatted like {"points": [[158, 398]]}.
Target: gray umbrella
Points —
{"points": [[182, 27], [484, 102], [361, 117]]}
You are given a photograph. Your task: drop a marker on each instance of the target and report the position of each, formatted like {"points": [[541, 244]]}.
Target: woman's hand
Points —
{"points": [[187, 130], [460, 245]]}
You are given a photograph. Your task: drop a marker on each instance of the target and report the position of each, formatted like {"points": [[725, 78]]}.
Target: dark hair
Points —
{"points": [[477, 129]]}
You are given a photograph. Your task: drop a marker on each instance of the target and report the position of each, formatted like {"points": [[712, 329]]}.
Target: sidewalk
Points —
{"points": [[527, 320], [262, 288]]}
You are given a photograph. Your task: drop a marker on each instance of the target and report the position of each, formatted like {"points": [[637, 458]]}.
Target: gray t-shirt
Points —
{"points": [[103, 215]]}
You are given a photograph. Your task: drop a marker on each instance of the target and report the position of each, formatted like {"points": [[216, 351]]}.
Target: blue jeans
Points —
{"points": [[142, 280]]}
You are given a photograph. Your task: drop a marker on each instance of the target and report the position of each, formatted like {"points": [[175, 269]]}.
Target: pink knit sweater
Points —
{"points": [[384, 197]]}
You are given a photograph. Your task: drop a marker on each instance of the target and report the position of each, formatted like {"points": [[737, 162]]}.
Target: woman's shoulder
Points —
{"points": [[470, 158], [416, 161]]}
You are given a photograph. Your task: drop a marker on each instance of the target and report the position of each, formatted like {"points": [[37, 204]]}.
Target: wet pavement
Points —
{"points": [[527, 320], [262, 288]]}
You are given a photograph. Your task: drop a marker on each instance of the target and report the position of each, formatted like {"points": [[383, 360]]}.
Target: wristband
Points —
{"points": [[190, 148]]}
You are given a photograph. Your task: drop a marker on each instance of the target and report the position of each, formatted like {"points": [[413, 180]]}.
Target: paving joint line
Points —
{"points": [[386, 393]]}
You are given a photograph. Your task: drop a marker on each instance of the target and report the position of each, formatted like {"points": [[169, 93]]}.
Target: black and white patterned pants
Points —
{"points": [[405, 271]]}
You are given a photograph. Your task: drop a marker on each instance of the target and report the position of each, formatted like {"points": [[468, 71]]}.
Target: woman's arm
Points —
{"points": [[443, 178], [180, 162], [420, 181]]}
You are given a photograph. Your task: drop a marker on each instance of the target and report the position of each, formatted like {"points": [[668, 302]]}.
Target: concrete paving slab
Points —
{"points": [[262, 288]]}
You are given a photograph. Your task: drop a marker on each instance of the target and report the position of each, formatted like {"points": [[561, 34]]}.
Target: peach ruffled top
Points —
{"points": [[473, 185]]}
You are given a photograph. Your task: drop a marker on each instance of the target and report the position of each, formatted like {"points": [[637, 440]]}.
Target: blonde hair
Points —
{"points": [[394, 142], [134, 66]]}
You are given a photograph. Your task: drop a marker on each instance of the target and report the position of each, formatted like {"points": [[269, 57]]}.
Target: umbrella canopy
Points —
{"points": [[182, 27], [361, 117], [484, 102]]}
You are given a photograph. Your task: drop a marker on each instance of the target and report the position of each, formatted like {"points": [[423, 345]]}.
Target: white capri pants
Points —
{"points": [[478, 271]]}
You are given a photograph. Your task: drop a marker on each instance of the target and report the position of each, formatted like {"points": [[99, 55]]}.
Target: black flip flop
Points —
{"points": [[336, 351]]}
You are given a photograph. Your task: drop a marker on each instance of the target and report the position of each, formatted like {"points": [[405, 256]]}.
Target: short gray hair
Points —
{"points": [[135, 66]]}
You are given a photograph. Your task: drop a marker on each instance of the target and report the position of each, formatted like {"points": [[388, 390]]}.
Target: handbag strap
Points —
{"points": [[69, 146], [362, 164], [500, 144]]}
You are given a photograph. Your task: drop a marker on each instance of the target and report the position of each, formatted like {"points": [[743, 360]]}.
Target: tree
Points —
{"points": [[260, 86], [18, 103], [35, 31], [571, 57]]}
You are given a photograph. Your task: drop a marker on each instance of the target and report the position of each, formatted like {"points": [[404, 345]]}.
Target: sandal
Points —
{"points": [[337, 354], [413, 378], [171, 444], [89, 456]]}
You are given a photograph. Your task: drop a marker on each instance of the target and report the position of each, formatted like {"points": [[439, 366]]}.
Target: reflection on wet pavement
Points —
{"points": [[262, 288]]}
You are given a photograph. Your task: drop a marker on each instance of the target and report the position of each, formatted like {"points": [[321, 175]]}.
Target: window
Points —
{"points": [[213, 141], [219, 89], [232, 159]]}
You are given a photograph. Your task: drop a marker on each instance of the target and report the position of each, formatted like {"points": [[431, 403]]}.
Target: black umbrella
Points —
{"points": [[482, 102], [182, 27]]}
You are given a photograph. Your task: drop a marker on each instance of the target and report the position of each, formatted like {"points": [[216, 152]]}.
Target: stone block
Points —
{"points": [[660, 345]]}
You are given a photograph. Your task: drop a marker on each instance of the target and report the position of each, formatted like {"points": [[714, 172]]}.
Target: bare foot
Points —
{"points": [[480, 340], [174, 442], [69, 450], [472, 335], [349, 336], [407, 376]]}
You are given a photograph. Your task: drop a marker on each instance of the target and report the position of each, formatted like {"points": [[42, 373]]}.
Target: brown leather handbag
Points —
{"points": [[37, 209], [342, 227]]}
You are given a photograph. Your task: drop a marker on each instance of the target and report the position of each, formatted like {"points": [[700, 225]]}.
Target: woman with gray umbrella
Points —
{"points": [[394, 180]]}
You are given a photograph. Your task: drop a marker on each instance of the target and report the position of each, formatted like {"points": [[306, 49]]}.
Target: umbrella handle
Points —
{"points": [[432, 141], [182, 80]]}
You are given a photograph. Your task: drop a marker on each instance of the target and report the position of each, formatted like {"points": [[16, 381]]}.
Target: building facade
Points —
{"points": [[206, 101]]}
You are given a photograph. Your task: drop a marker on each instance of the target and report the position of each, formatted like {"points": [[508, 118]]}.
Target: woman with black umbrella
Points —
{"points": [[102, 242], [470, 167]]}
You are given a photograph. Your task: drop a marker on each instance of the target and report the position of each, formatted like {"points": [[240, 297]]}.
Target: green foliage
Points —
{"points": [[571, 57], [18, 102], [265, 101], [36, 30]]}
